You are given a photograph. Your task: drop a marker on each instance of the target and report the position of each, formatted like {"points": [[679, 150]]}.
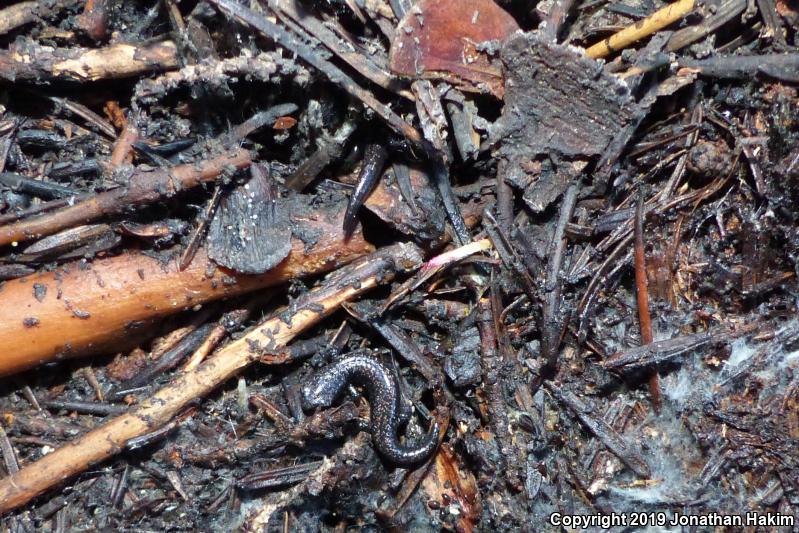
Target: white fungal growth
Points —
{"points": [[678, 386], [741, 351]]}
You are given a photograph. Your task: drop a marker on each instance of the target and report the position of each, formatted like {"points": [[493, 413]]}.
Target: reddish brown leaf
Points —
{"points": [[450, 484], [442, 39], [284, 123]]}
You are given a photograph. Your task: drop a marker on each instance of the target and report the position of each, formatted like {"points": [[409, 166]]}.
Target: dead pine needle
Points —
{"points": [[642, 294]]}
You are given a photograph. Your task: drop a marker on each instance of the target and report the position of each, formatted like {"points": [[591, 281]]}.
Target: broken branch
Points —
{"points": [[30, 61]]}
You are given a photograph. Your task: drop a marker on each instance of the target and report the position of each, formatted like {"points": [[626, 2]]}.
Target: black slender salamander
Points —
{"points": [[384, 398]]}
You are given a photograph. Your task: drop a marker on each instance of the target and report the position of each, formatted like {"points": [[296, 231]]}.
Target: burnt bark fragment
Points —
{"points": [[250, 232], [561, 109]]}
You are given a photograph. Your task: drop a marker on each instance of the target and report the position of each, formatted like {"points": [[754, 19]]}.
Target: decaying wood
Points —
{"points": [[261, 66], [22, 13], [561, 108], [30, 61], [79, 309], [17, 15], [272, 334]]}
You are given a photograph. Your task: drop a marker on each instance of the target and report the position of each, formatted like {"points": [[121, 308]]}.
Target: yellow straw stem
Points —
{"points": [[643, 28]]}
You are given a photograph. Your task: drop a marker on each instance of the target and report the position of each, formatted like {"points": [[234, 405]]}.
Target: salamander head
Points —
{"points": [[317, 393]]}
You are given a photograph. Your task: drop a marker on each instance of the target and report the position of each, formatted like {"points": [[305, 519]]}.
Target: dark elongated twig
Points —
{"points": [[43, 207], [551, 323], [614, 442], [93, 119], [466, 138], [166, 149], [780, 66], [92, 408], [7, 451], [403, 176], [657, 352], [158, 434], [504, 202], [199, 232], [402, 344], [76, 168], [277, 477], [329, 149], [166, 362], [120, 487], [614, 262], [493, 384], [323, 32], [451, 206], [257, 122], [43, 189], [723, 14], [679, 169], [509, 256]]}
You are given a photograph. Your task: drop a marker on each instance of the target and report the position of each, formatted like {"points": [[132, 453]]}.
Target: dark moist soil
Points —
{"points": [[535, 349]]}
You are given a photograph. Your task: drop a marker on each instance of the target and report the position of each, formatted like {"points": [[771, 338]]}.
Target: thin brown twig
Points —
{"points": [[145, 187], [123, 147], [642, 289]]}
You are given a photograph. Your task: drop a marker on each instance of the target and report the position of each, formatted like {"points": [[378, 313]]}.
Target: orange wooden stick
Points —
{"points": [[82, 309]]}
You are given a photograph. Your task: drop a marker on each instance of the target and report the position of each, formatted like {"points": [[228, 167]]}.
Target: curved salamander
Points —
{"points": [[384, 398]]}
